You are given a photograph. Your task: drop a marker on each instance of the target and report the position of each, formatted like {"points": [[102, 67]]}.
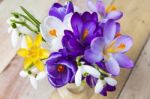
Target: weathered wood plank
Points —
{"points": [[137, 86], [135, 23]]}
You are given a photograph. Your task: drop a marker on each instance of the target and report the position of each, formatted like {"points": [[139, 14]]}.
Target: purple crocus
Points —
{"points": [[61, 71], [60, 11], [85, 29], [111, 49], [106, 13]]}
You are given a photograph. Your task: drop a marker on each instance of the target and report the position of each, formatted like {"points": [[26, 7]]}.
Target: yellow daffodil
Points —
{"points": [[33, 54]]}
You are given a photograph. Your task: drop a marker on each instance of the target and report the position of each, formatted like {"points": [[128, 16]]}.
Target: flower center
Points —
{"points": [[112, 49], [85, 34], [60, 68], [117, 35], [111, 8], [53, 32]]}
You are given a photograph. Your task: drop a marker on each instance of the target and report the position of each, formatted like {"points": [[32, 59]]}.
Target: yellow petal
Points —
{"points": [[27, 63], [44, 53], [29, 41], [38, 40], [22, 52], [39, 65]]}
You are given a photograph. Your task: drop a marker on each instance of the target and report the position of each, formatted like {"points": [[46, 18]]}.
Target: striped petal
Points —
{"points": [[112, 66]]}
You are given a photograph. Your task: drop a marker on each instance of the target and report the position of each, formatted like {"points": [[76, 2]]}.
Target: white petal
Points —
{"points": [[54, 23], [23, 74], [10, 29], [91, 5], [33, 82], [91, 70], [34, 70], [111, 81], [23, 42], [56, 45], [78, 76], [41, 76], [67, 21], [14, 38], [99, 86]]}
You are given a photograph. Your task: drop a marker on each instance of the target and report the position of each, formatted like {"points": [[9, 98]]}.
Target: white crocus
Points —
{"points": [[34, 76], [100, 83], [52, 30], [85, 69]]}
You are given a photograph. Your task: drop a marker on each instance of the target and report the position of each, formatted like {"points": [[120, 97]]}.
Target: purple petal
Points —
{"points": [[115, 15], [117, 27], [91, 81], [57, 5], [52, 71], [58, 12], [100, 8], [76, 23], [123, 60], [69, 7], [112, 66], [124, 40], [92, 57], [109, 31], [86, 16], [98, 44]]}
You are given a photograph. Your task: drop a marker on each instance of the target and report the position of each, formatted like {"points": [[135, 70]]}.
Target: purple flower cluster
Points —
{"points": [[96, 40]]}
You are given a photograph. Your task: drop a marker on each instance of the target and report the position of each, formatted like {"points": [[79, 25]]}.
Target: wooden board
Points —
{"points": [[135, 23], [137, 86]]}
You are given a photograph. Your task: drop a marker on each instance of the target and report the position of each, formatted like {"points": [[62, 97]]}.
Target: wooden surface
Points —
{"points": [[137, 86], [136, 23]]}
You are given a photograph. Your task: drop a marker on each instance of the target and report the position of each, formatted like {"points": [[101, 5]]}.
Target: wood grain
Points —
{"points": [[137, 86], [135, 23]]}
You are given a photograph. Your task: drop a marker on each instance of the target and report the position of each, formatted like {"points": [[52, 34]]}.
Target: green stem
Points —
{"points": [[102, 71], [26, 25], [30, 15]]}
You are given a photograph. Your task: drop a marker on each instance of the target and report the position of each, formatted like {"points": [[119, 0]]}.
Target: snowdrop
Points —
{"points": [[85, 69], [34, 76], [101, 83]]}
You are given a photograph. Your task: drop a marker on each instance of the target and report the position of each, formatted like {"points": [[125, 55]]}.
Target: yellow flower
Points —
{"points": [[33, 54]]}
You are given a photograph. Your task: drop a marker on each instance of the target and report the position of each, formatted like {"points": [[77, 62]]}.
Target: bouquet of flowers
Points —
{"points": [[72, 47]]}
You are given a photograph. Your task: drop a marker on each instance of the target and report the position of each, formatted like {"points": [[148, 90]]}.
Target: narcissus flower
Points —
{"points": [[34, 53]]}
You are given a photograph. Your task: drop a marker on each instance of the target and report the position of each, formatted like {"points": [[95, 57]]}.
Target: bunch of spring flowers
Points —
{"points": [[72, 47]]}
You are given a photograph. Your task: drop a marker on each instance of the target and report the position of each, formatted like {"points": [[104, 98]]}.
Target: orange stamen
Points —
{"points": [[60, 68], [53, 32], [85, 34], [121, 46], [117, 35], [111, 8]]}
